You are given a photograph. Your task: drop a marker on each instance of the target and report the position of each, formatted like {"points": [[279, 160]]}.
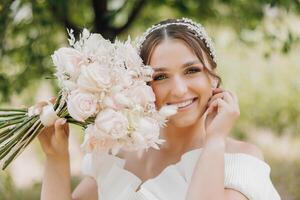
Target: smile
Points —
{"points": [[184, 104]]}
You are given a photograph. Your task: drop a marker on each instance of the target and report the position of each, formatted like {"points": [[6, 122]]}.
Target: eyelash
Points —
{"points": [[158, 77], [193, 70]]}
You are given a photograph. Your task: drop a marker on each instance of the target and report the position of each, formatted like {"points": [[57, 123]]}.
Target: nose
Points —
{"points": [[179, 87]]}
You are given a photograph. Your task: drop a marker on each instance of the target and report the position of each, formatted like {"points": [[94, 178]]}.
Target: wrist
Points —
{"points": [[215, 142], [58, 159]]}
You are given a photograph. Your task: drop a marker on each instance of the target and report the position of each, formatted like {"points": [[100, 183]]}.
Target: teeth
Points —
{"points": [[183, 104]]}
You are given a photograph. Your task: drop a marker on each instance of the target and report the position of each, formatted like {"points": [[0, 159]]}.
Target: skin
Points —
{"points": [[205, 124]]}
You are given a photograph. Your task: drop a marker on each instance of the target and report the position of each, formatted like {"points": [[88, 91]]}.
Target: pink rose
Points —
{"points": [[142, 94], [94, 77], [112, 123], [93, 143], [68, 60], [81, 105]]}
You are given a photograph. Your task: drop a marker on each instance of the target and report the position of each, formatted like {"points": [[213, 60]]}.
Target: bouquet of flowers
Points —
{"points": [[103, 88]]}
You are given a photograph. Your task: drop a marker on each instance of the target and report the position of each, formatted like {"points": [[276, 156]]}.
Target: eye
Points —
{"points": [[192, 70], [159, 77]]}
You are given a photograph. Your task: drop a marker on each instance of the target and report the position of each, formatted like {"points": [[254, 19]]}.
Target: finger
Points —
{"points": [[67, 129], [60, 132], [234, 96], [218, 90], [216, 104], [222, 95], [52, 100], [228, 98], [212, 106], [37, 108], [45, 134], [214, 97]]}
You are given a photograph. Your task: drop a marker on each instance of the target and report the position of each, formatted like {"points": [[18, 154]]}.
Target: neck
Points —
{"points": [[182, 139]]}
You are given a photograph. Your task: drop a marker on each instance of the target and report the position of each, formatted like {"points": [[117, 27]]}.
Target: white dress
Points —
{"points": [[244, 173]]}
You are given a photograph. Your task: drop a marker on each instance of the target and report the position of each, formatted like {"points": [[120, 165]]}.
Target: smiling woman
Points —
{"points": [[198, 160], [180, 79]]}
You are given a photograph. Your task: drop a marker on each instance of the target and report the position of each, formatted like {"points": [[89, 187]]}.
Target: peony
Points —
{"points": [[146, 133], [95, 45], [116, 101], [94, 143], [141, 94], [81, 105], [117, 98], [148, 128], [94, 77], [122, 78], [112, 123], [68, 62]]}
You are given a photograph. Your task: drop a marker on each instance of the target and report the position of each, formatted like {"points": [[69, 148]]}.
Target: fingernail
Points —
{"points": [[62, 121]]}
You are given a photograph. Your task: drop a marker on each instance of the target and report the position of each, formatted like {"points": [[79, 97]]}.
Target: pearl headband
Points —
{"points": [[197, 28]]}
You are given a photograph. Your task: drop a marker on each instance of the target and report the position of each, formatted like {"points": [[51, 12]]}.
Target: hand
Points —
{"points": [[222, 113], [54, 139]]}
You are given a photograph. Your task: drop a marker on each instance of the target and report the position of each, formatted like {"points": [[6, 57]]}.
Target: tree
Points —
{"points": [[30, 30]]}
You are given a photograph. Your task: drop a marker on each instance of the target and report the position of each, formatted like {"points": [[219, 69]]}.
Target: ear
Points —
{"points": [[214, 83]]}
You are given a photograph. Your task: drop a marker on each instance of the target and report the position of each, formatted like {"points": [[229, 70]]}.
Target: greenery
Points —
{"points": [[30, 30], [257, 45]]}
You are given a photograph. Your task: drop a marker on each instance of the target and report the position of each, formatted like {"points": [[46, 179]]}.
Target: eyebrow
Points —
{"points": [[161, 69]]}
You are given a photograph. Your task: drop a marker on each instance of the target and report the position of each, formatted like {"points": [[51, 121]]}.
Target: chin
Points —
{"points": [[182, 122]]}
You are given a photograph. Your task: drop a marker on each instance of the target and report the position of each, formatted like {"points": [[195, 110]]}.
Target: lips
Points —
{"points": [[184, 103]]}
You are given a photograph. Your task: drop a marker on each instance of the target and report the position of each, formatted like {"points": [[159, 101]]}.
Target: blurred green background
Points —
{"points": [[257, 46]]}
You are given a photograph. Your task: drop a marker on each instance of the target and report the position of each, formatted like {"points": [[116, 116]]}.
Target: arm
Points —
{"points": [[207, 182], [56, 180], [208, 178], [57, 177]]}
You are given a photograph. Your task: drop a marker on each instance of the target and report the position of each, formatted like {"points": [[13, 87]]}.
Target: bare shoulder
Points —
{"points": [[237, 146]]}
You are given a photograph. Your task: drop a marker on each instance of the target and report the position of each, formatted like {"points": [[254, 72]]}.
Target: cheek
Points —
{"points": [[160, 93], [202, 87]]}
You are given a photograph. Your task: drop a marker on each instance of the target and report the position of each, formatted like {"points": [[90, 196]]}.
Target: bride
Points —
{"points": [[199, 159]]}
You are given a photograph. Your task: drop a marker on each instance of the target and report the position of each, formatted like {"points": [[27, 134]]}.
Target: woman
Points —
{"points": [[198, 160]]}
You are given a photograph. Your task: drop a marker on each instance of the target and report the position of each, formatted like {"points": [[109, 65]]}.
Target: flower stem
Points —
{"points": [[13, 110]]}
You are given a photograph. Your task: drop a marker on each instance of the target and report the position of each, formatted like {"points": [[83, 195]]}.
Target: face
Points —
{"points": [[179, 79]]}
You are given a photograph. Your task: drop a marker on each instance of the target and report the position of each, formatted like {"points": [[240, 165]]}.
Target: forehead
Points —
{"points": [[172, 53]]}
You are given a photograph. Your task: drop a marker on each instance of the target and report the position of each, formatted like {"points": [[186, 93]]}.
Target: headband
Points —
{"points": [[197, 28]]}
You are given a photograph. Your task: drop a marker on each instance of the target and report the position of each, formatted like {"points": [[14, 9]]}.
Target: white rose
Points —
{"points": [[81, 105], [68, 61], [94, 77], [112, 123]]}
